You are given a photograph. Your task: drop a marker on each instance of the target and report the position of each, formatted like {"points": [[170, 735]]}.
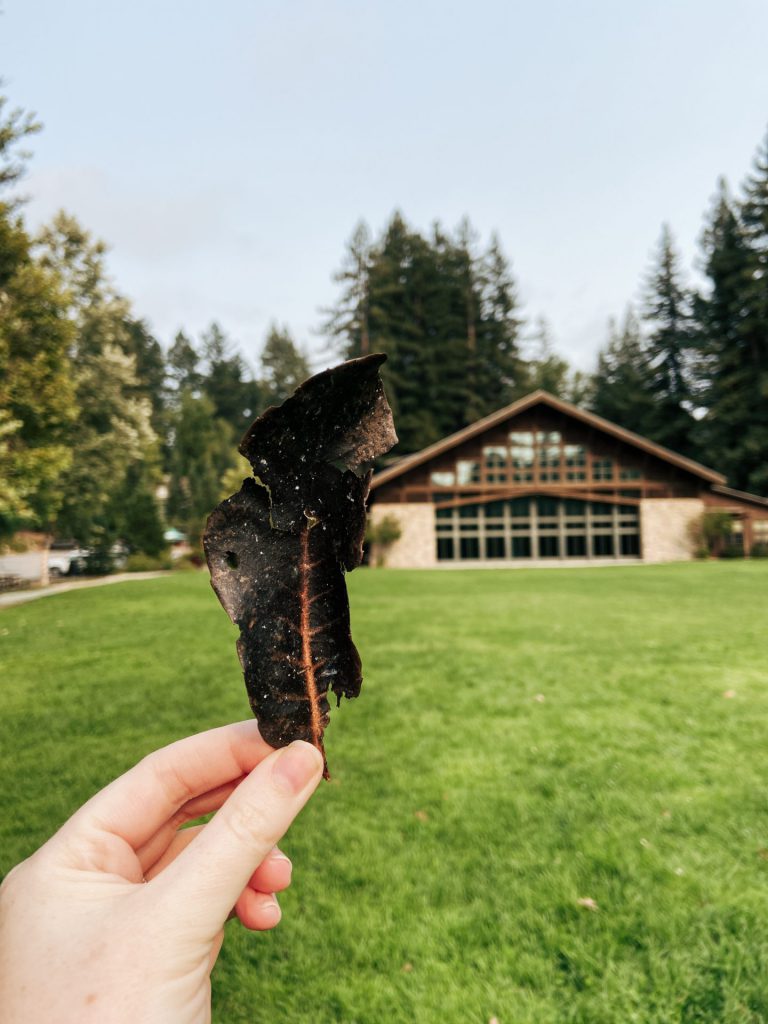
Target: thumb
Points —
{"points": [[207, 877]]}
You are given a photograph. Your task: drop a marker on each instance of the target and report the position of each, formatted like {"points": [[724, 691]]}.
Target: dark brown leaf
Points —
{"points": [[278, 549]]}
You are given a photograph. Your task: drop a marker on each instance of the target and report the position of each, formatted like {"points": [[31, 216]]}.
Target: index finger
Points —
{"points": [[138, 803]]}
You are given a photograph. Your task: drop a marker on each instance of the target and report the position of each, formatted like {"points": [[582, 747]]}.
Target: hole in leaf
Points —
{"points": [[231, 559]]}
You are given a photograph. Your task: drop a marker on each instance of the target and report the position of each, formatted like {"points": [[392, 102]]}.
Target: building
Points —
{"points": [[545, 481]]}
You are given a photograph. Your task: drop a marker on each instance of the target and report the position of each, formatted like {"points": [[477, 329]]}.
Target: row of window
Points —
{"points": [[540, 455], [537, 527], [542, 507], [572, 546]]}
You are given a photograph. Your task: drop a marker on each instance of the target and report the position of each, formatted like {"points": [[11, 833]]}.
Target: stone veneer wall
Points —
{"points": [[664, 526], [416, 547]]}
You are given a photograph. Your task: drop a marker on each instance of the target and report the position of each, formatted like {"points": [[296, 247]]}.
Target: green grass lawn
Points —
{"points": [[524, 740]]}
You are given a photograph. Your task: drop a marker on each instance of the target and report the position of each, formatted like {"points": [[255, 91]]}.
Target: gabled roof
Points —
{"points": [[731, 492], [559, 404]]}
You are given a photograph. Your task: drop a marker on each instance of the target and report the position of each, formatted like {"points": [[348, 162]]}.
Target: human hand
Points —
{"points": [[119, 917]]}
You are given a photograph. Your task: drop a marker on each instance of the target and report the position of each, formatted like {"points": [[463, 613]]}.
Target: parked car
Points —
{"points": [[66, 560]]}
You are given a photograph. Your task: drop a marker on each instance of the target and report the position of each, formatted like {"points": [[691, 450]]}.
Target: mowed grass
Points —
{"points": [[525, 740]]}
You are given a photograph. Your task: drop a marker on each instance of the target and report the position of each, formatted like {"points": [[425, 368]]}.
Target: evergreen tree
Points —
{"points": [[203, 452], [669, 347], [149, 361], [235, 395], [183, 365], [623, 383], [15, 126], [136, 512], [500, 367], [545, 369], [347, 324], [753, 471], [445, 317], [401, 270], [285, 366], [449, 303], [733, 365]]}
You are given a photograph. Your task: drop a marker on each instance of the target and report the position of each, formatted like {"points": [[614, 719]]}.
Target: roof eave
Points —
{"points": [[520, 405]]}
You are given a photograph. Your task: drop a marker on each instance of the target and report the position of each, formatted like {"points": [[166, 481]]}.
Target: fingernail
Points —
{"points": [[296, 766], [273, 907]]}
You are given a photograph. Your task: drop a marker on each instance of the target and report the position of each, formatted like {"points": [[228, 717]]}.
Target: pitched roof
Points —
{"points": [[559, 404], [731, 492]]}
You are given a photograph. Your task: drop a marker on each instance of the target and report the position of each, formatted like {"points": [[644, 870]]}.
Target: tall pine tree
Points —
{"points": [[669, 346], [753, 471], [445, 316], [623, 383]]}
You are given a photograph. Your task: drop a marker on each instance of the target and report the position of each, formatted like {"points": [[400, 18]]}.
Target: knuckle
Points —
{"points": [[250, 824]]}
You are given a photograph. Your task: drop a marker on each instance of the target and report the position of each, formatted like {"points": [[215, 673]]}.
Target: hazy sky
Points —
{"points": [[226, 150]]}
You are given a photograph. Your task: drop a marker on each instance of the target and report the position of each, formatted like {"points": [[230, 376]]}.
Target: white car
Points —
{"points": [[66, 561]]}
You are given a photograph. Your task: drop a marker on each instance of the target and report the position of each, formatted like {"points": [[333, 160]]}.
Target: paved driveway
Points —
{"points": [[22, 596]]}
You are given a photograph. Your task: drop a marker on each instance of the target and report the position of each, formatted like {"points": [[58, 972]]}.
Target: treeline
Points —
{"points": [[106, 434], [689, 369], [447, 315]]}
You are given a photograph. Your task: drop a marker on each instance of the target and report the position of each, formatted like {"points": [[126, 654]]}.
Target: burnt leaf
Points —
{"points": [[278, 549]]}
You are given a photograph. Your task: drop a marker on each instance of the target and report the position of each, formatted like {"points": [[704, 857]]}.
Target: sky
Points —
{"points": [[226, 151]]}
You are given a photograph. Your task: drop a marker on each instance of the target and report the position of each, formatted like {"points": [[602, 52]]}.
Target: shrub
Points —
{"points": [[381, 536], [732, 551], [140, 562], [187, 563], [99, 562], [710, 533], [759, 549]]}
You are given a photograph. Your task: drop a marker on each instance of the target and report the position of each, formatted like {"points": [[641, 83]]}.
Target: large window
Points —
{"points": [[521, 452], [542, 527], [528, 456], [549, 455], [495, 458]]}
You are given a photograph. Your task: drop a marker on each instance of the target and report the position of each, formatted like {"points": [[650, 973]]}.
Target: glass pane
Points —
{"points": [[468, 471], [469, 511], [630, 544], [444, 547], [602, 544], [523, 438], [520, 507], [602, 469], [547, 506], [576, 547], [494, 547], [494, 510], [469, 527], [442, 479], [495, 455], [576, 474], [574, 507], [445, 527], [575, 455], [630, 473], [521, 547], [602, 508], [549, 547], [470, 547], [444, 513]]}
